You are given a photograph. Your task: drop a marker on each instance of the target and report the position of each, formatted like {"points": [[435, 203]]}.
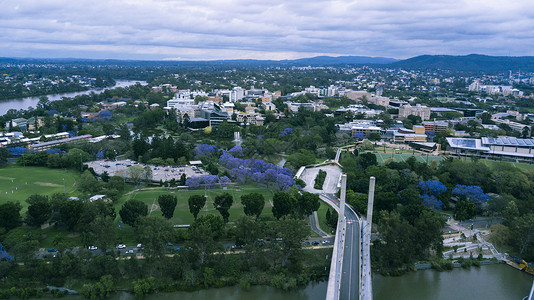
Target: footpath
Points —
{"points": [[469, 242]]}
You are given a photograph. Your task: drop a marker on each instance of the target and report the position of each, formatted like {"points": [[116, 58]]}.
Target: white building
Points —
{"points": [[419, 110]]}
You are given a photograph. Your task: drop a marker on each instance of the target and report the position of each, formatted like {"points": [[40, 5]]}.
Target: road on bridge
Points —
{"points": [[350, 277], [351, 258]]}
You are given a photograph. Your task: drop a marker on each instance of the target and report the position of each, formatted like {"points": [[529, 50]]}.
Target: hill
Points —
{"points": [[468, 63], [313, 61]]}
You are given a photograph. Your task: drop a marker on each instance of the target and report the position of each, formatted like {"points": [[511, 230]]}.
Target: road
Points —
{"points": [[351, 253], [351, 258]]}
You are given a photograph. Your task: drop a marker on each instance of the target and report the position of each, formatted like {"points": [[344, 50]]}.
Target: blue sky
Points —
{"points": [[268, 29]]}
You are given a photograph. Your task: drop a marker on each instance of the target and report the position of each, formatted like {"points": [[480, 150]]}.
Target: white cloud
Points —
{"points": [[209, 29]]}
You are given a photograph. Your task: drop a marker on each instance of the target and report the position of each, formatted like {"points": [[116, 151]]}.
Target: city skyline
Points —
{"points": [[211, 30]]}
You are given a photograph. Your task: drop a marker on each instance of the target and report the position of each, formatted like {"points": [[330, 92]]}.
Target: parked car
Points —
{"points": [[130, 251], [93, 248], [121, 246], [52, 250], [139, 245]]}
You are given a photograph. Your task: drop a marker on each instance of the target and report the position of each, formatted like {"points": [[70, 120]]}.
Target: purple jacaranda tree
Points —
{"points": [[430, 191], [236, 151], [473, 193], [193, 182], [204, 150], [286, 131]]}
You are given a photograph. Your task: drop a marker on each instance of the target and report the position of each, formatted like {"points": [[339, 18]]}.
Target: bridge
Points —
{"points": [[350, 269]]}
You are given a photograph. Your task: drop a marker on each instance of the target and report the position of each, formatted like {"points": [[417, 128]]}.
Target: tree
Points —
{"points": [[4, 155], [291, 234], [247, 231], [105, 176], [331, 218], [153, 232], [223, 203], [204, 231], [10, 215], [308, 203], [464, 209], [70, 213], [366, 160], [196, 203], [167, 204], [132, 210], [182, 180], [136, 173], [100, 232], [283, 204], [88, 183], [253, 204], [115, 183], [394, 248], [38, 211]]}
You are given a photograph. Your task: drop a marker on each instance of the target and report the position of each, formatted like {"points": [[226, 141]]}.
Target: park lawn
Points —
{"points": [[182, 214], [17, 183], [321, 215]]}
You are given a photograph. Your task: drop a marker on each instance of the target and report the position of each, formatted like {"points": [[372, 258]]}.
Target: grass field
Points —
{"points": [[182, 214], [321, 215], [382, 157], [18, 183]]}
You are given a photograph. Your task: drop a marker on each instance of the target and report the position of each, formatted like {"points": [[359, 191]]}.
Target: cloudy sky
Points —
{"points": [[263, 29]]}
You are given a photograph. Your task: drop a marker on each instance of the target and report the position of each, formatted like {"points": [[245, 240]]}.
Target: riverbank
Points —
{"points": [[26, 102]]}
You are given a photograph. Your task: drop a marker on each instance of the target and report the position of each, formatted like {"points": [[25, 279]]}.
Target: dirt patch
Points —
{"points": [[47, 184], [154, 207]]}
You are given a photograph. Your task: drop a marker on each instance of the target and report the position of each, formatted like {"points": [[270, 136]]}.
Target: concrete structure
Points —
{"points": [[357, 95], [213, 113], [507, 148], [436, 127], [419, 110], [50, 144]]}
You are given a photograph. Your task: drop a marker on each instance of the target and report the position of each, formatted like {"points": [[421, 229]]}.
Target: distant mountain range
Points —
{"points": [[467, 63]]}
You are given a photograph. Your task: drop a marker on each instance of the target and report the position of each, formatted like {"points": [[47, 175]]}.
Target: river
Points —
{"points": [[489, 282], [24, 103]]}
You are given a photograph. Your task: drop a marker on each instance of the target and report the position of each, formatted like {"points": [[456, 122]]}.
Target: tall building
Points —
{"points": [[419, 110]]}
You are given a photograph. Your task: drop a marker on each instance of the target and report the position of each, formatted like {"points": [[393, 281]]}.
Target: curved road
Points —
{"points": [[350, 277]]}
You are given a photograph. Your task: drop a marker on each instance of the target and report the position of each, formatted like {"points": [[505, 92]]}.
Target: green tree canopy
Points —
{"points": [[283, 204], [253, 204], [196, 203], [167, 204], [10, 215], [39, 210], [223, 203], [132, 210]]}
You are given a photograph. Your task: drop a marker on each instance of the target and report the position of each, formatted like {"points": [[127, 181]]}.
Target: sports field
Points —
{"points": [[18, 183], [182, 214], [382, 157]]}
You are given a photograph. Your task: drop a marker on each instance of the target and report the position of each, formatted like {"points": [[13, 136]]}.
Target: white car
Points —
{"points": [[93, 248], [139, 245], [121, 246], [130, 251]]}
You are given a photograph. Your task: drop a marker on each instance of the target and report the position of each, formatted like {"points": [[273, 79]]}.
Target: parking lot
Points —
{"points": [[164, 173]]}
